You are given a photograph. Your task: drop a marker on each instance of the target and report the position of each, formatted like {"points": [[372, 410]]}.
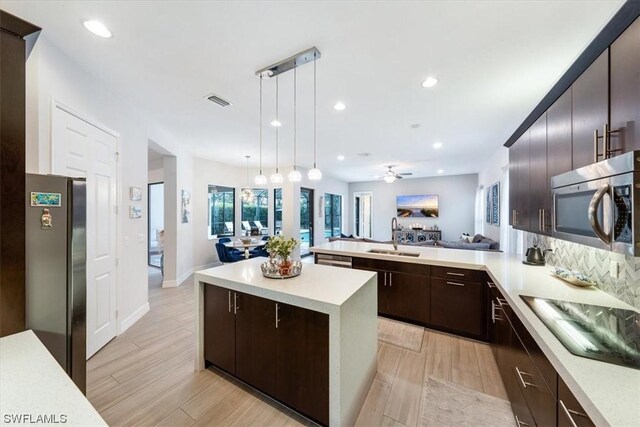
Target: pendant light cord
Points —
{"points": [[277, 119], [260, 124], [315, 104], [295, 85]]}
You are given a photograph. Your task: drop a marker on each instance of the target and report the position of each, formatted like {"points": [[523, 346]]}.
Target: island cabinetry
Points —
{"points": [[458, 301], [570, 412], [279, 349], [403, 288]]}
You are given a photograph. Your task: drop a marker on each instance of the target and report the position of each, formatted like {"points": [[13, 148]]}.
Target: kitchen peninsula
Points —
{"points": [[477, 294], [310, 341]]}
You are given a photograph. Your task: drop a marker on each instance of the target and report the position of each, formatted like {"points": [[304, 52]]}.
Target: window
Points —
{"points": [[277, 211], [255, 211], [221, 211], [332, 215]]}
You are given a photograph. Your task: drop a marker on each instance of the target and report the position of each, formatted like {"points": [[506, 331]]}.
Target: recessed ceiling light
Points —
{"points": [[276, 124], [437, 145], [339, 106], [341, 157], [440, 171], [415, 126], [97, 28], [429, 82]]}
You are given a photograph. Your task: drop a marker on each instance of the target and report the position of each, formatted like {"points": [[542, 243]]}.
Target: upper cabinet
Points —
{"points": [[519, 183], [539, 192], [590, 107], [559, 136], [625, 90]]}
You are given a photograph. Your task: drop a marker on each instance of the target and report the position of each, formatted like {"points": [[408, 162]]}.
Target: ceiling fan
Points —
{"points": [[390, 175]]}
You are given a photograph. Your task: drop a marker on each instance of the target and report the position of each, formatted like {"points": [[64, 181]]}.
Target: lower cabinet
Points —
{"points": [[279, 349], [407, 296], [458, 306], [570, 412]]}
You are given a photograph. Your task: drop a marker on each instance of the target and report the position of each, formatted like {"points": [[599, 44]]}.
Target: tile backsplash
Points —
{"points": [[595, 263]]}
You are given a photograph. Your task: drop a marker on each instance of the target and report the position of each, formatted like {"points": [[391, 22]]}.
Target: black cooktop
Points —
{"points": [[602, 333]]}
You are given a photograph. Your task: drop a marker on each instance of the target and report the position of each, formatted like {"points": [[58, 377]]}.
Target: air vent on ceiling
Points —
{"points": [[364, 154], [221, 102]]}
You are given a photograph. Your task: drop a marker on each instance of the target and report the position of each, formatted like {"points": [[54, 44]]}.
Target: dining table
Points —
{"points": [[238, 244]]}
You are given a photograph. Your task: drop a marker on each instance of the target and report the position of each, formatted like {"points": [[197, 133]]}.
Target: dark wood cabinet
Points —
{"points": [[408, 296], [625, 89], [255, 340], [302, 361], [590, 107], [519, 183], [559, 145], [220, 328], [279, 349], [570, 412], [458, 307], [539, 186]]}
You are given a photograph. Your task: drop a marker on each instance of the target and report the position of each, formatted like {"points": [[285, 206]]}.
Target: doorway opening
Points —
{"points": [[155, 223], [363, 215], [306, 221]]}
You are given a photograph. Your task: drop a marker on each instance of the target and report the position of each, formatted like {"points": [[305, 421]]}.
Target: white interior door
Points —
{"points": [[80, 149]]}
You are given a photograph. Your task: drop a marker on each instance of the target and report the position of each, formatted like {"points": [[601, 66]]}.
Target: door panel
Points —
{"points": [[219, 328], [539, 187], [409, 296], [458, 306], [559, 136], [80, 149]]}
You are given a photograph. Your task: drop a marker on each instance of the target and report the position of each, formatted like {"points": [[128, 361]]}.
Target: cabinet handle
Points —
{"points": [[596, 154], [568, 412], [502, 301], [539, 219], [385, 278], [491, 284], [524, 383], [277, 312], [607, 142], [515, 217], [455, 284], [520, 423], [390, 279], [235, 303], [494, 316], [455, 274], [229, 301]]}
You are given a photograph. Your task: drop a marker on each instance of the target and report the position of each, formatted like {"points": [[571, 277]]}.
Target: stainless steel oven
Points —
{"points": [[599, 205]]}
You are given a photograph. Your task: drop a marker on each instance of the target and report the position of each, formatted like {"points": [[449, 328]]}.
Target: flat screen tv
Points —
{"points": [[421, 206]]}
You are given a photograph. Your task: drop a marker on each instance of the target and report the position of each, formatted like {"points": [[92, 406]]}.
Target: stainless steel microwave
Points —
{"points": [[599, 205]]}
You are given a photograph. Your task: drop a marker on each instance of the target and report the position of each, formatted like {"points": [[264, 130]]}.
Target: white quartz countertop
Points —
{"points": [[318, 284], [33, 385], [609, 393]]}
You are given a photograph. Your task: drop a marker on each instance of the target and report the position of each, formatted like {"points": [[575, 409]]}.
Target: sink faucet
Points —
{"points": [[394, 235]]}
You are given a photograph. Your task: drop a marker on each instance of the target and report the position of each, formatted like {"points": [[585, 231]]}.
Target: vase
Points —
{"points": [[285, 266]]}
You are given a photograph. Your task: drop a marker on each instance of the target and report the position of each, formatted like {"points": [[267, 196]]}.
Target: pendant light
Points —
{"points": [[246, 195], [294, 175], [260, 179], [276, 178], [315, 174]]}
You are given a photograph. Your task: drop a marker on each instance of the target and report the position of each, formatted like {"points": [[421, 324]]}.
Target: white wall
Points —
{"points": [[456, 203], [52, 74], [493, 171]]}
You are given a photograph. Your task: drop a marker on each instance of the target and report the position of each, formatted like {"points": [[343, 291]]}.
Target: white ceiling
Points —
{"points": [[495, 60]]}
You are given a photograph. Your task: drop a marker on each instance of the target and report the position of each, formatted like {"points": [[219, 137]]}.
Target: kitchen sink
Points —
{"points": [[392, 252]]}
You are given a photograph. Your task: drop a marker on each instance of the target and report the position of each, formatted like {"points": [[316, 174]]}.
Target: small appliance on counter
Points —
{"points": [[535, 256], [606, 334]]}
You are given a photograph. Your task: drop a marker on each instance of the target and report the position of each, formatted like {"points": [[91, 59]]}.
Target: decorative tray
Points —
{"points": [[573, 277], [273, 270]]}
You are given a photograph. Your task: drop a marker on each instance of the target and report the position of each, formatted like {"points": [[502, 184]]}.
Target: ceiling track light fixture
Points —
{"points": [[246, 195], [292, 63], [276, 177], [260, 179]]}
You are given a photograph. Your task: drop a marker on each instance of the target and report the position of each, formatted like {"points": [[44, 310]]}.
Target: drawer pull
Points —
{"points": [[569, 413], [491, 284], [455, 283], [502, 301], [520, 423], [524, 383], [494, 316], [455, 274], [277, 317], [229, 301], [235, 303]]}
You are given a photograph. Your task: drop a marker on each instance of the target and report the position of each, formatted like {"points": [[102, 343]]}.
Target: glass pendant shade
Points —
{"points": [[315, 174], [277, 178], [295, 176], [260, 180], [246, 195]]}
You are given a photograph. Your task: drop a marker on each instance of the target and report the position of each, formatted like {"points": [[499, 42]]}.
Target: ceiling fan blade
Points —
{"points": [[406, 173], [399, 176]]}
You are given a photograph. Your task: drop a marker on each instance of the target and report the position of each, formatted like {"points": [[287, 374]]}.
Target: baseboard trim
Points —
{"points": [[180, 280], [133, 318]]}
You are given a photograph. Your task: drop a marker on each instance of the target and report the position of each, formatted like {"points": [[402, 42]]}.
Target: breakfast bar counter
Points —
{"points": [[309, 341]]}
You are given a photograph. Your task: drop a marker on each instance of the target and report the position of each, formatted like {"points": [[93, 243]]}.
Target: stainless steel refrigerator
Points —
{"points": [[56, 269]]}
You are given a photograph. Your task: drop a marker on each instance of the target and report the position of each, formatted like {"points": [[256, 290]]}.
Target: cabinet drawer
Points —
{"points": [[398, 267], [570, 412], [458, 306], [457, 274]]}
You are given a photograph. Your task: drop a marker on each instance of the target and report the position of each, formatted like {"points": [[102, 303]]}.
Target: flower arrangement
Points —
{"points": [[281, 246]]}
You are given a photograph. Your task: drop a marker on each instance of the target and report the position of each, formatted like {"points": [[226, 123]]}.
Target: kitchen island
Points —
{"points": [[310, 341], [607, 393]]}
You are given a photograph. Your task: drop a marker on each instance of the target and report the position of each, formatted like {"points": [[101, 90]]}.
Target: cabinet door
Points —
{"points": [[256, 342], [559, 136], [302, 361], [219, 328], [539, 188], [520, 206], [570, 413], [625, 89], [458, 307], [409, 296], [590, 110]]}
